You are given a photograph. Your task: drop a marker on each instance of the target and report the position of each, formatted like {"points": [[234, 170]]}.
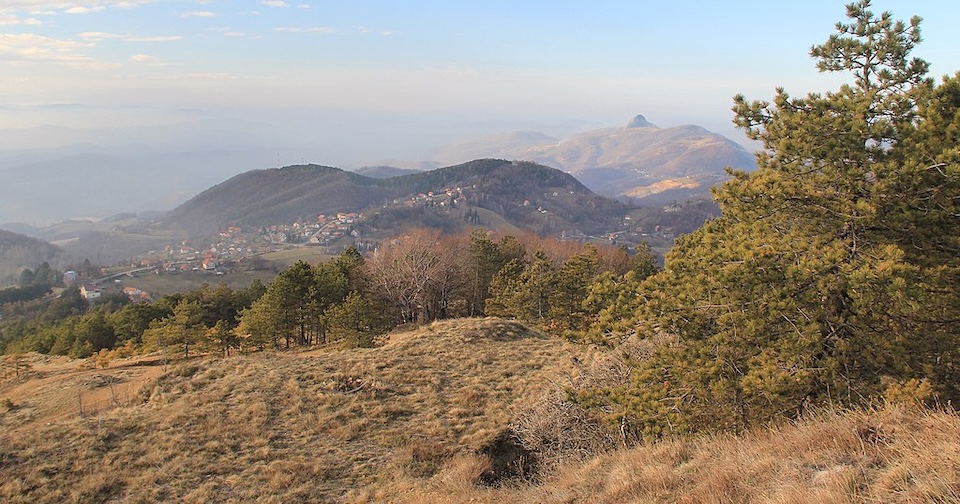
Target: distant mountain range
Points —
{"points": [[527, 195], [53, 173], [507, 195], [640, 162]]}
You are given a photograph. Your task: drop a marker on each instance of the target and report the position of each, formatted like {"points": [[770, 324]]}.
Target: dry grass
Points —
{"points": [[425, 418], [50, 388], [163, 284], [318, 426], [283, 258], [891, 455], [560, 431]]}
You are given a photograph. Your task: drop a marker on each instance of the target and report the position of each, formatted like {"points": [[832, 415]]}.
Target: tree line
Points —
{"points": [[413, 278]]}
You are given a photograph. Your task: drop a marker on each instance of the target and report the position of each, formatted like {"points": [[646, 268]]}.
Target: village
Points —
{"points": [[238, 248]]}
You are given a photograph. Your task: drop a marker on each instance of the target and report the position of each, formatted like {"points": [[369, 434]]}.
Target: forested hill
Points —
{"points": [[278, 195], [19, 251], [521, 192], [528, 195]]}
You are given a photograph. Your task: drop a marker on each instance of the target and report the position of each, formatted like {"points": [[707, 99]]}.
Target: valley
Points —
{"points": [[237, 228]]}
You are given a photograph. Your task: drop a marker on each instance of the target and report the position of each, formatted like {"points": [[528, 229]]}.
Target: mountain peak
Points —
{"points": [[639, 121]]}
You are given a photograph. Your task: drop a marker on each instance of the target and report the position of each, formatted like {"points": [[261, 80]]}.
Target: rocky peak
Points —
{"points": [[640, 122]]}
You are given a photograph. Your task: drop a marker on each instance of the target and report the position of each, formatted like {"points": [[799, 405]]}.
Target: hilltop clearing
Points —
{"points": [[288, 427]]}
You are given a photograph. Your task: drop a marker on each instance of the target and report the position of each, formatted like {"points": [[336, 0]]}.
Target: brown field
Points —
{"points": [[282, 259], [288, 427], [423, 418], [165, 283]]}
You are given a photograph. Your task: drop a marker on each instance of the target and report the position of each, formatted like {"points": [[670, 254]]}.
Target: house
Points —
{"points": [[90, 291], [136, 294], [209, 264]]}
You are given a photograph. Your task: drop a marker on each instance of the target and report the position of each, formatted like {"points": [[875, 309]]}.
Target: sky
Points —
{"points": [[419, 71]]}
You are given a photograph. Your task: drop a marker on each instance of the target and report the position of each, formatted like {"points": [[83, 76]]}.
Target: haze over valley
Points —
{"points": [[68, 176], [99, 119]]}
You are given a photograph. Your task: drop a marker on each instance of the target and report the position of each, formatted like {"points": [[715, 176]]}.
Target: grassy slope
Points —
{"points": [[892, 455], [414, 421], [281, 259], [291, 427]]}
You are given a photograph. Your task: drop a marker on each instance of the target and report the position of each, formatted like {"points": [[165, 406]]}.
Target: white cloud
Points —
{"points": [[316, 29], [100, 35], [203, 14], [97, 36], [304, 6], [226, 31], [84, 10], [50, 7], [389, 33], [27, 47], [274, 3], [144, 58], [9, 19]]}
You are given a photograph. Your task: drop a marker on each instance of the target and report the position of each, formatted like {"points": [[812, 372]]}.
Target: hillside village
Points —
{"points": [[237, 247]]}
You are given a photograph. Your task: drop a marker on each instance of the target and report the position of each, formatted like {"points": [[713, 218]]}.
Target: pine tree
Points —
{"points": [[833, 269], [524, 291], [288, 310], [571, 286]]}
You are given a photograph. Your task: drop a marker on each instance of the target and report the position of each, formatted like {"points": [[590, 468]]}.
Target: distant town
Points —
{"points": [[242, 249]]}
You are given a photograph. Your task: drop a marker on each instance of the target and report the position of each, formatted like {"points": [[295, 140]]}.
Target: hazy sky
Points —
{"points": [[513, 64]]}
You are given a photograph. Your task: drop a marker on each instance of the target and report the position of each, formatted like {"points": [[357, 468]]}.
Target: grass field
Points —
{"points": [[495, 221], [295, 427], [890, 455], [164, 283], [284, 258]]}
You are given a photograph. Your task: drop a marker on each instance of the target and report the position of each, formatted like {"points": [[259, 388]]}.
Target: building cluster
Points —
{"points": [[325, 230], [447, 198], [232, 245], [92, 293], [136, 294]]}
